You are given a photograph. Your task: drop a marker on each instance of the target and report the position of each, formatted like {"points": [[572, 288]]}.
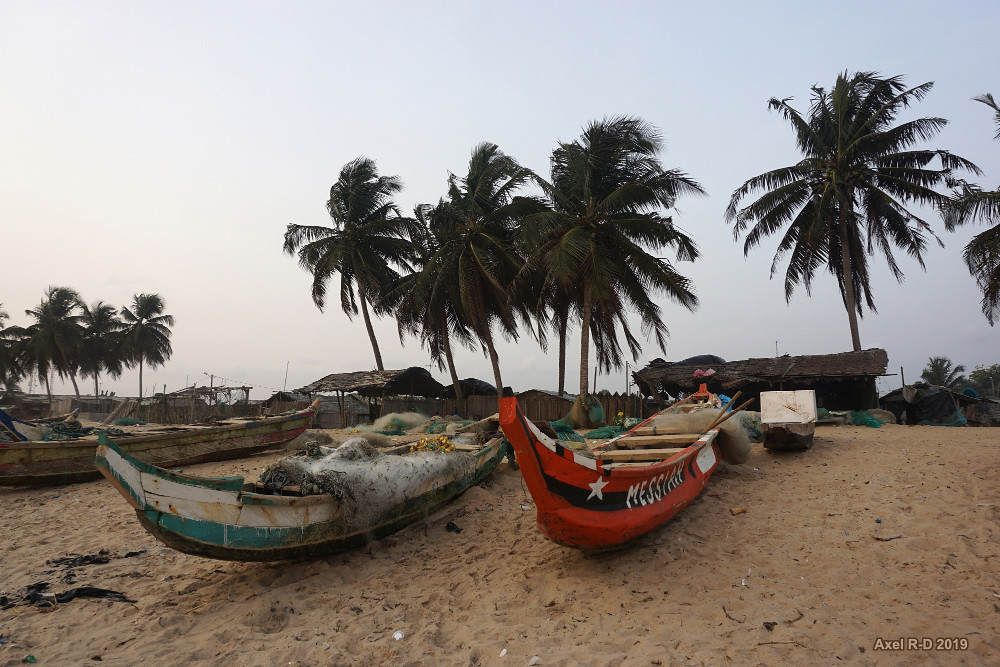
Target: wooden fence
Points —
{"points": [[181, 410], [473, 407], [538, 408]]}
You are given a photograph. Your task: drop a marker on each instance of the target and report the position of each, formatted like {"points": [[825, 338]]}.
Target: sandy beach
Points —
{"points": [[872, 536]]}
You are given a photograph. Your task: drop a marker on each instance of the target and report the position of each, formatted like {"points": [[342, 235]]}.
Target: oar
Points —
{"points": [[17, 436], [729, 414], [729, 405]]}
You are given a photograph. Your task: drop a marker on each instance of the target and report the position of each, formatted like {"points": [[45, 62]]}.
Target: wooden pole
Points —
{"points": [[728, 415], [17, 437], [729, 405]]}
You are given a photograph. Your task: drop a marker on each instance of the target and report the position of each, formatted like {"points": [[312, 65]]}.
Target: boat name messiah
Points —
{"points": [[654, 489]]}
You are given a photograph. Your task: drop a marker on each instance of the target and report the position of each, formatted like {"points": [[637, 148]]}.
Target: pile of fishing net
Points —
{"points": [[442, 426], [71, 429], [403, 423], [736, 435], [365, 481], [394, 423], [608, 432], [862, 418], [565, 432], [585, 414]]}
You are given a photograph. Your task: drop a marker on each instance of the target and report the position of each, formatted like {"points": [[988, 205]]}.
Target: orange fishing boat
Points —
{"points": [[619, 490]]}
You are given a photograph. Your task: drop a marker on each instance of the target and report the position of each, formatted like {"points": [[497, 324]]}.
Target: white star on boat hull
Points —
{"points": [[597, 489]]}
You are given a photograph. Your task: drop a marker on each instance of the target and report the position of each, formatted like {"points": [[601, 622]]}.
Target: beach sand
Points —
{"points": [[799, 578]]}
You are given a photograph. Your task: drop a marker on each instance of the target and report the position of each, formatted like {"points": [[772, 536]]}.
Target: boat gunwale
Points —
{"points": [[180, 431], [170, 528], [693, 449], [235, 484], [651, 495]]}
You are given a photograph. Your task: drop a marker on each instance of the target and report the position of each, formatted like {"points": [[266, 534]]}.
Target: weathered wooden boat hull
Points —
{"points": [[789, 436], [590, 503], [71, 461], [226, 519]]}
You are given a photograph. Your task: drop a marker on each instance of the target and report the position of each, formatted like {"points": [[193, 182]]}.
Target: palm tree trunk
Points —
{"points": [[140, 379], [494, 360], [95, 385], [563, 323], [368, 324], [446, 343], [585, 338], [848, 269], [76, 389]]}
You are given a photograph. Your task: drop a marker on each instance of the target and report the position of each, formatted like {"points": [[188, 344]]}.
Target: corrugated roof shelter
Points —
{"points": [[843, 381]]}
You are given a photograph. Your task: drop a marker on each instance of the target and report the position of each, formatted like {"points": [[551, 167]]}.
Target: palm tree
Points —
{"points": [[607, 195], [986, 380], [431, 314], [10, 369], [982, 254], [557, 305], [368, 236], [52, 342], [102, 339], [477, 258], [145, 336], [847, 197], [939, 371]]}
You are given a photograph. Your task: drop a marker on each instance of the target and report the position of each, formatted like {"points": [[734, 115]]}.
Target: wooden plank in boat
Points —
{"points": [[667, 429], [659, 439], [639, 454], [628, 464]]}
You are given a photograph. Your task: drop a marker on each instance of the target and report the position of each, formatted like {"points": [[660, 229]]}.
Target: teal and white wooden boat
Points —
{"points": [[38, 463], [230, 519]]}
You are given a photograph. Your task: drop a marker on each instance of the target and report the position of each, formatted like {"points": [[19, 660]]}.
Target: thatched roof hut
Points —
{"points": [[413, 381], [843, 381]]}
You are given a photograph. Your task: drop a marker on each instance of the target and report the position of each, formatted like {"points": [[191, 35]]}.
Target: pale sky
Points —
{"points": [[164, 147]]}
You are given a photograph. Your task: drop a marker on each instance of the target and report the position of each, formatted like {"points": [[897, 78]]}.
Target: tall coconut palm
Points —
{"points": [[608, 194], [101, 343], [431, 314], [940, 371], [10, 369], [52, 341], [982, 254], [847, 198], [145, 336], [986, 380], [478, 258], [367, 238], [556, 307]]}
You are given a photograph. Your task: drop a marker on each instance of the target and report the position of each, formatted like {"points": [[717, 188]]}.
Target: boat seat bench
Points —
{"points": [[639, 454], [657, 440]]}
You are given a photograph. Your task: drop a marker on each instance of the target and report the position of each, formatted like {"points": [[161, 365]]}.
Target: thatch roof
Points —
{"points": [[414, 381], [471, 387], [674, 377]]}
